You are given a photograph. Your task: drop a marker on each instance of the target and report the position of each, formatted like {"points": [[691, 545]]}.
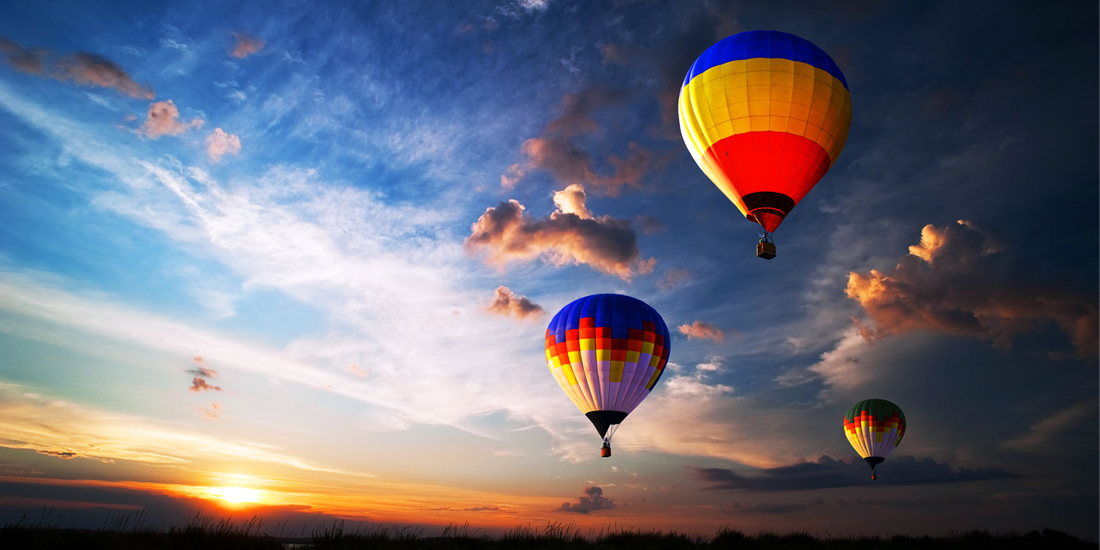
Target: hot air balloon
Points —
{"points": [[607, 351], [765, 114], [874, 428]]}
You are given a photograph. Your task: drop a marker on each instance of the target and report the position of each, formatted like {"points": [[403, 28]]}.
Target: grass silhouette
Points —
{"points": [[199, 532]]}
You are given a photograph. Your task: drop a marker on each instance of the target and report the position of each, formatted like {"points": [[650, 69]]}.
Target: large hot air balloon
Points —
{"points": [[607, 351], [765, 114], [874, 428]]}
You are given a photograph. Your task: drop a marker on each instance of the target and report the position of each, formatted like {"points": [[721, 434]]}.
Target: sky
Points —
{"points": [[296, 260]]}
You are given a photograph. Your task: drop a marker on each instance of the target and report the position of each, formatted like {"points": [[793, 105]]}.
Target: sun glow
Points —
{"points": [[236, 495]]}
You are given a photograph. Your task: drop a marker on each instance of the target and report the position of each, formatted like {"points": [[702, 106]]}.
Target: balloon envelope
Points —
{"points": [[874, 428], [607, 351], [765, 114]]}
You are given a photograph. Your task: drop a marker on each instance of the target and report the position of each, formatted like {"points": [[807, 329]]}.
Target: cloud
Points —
{"points": [[359, 371], [85, 69], [591, 500], [773, 507], [827, 473], [506, 302], [702, 330], [673, 278], [163, 120], [714, 364], [199, 384], [245, 45], [1041, 436], [509, 179], [89, 69], [27, 60], [570, 165], [650, 225], [64, 454], [204, 372], [577, 109], [571, 234], [958, 280], [220, 143]]}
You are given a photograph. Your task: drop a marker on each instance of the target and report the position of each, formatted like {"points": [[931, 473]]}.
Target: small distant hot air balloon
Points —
{"points": [[765, 114], [874, 428], [607, 351]]}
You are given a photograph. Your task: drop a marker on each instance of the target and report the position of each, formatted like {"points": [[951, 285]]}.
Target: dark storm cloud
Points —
{"points": [[963, 279], [827, 473], [83, 68], [591, 500]]}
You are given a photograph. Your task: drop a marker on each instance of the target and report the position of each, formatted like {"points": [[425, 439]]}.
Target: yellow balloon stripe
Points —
{"points": [[764, 94]]}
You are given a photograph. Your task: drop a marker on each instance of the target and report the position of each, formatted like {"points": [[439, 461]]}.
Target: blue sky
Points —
{"points": [[299, 220]]}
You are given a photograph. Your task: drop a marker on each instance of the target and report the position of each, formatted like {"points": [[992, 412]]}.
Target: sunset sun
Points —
{"points": [[236, 495]]}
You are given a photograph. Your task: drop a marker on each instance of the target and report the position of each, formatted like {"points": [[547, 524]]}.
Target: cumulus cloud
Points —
{"points": [[702, 330], [506, 302], [509, 179], [572, 234], [827, 473], [245, 45], [199, 384], [220, 143], [83, 68], [163, 120], [958, 280], [591, 500], [27, 60]]}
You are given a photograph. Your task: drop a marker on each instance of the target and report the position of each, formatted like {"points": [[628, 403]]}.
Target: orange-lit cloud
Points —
{"points": [[163, 120], [957, 281], [673, 278], [89, 69], [570, 235], [506, 302], [204, 372], [245, 45], [85, 69], [576, 109], [703, 330], [220, 143], [562, 158], [199, 384], [64, 454], [27, 60]]}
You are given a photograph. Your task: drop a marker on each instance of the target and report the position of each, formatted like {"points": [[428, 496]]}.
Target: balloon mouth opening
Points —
{"points": [[603, 420], [873, 461]]}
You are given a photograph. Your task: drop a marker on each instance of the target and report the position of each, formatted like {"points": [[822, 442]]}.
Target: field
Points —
{"points": [[207, 533]]}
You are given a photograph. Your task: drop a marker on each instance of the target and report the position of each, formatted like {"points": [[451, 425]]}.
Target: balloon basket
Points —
{"points": [[605, 451], [765, 250]]}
